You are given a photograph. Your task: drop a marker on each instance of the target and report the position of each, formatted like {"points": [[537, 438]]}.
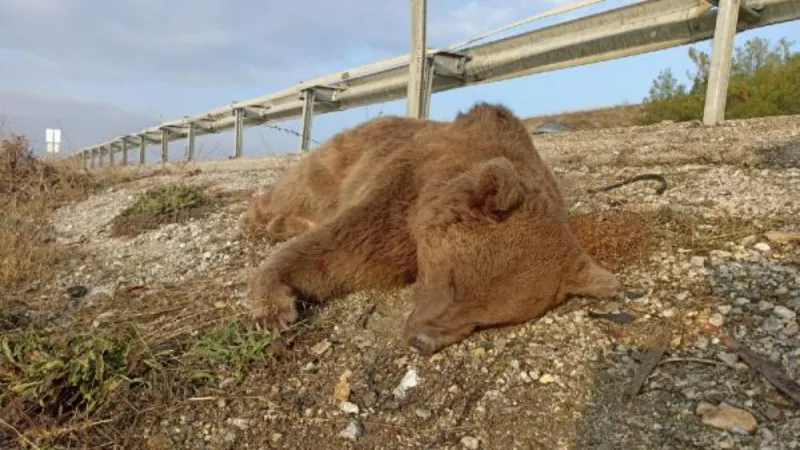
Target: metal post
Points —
{"points": [[111, 154], [190, 142], [164, 145], [720, 71], [416, 78], [125, 152], [142, 148], [238, 131], [308, 118]]}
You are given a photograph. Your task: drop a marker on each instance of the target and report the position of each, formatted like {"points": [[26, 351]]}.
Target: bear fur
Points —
{"points": [[466, 211]]}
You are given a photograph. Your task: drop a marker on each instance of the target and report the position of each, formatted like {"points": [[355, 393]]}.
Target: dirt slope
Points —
{"points": [[696, 264]]}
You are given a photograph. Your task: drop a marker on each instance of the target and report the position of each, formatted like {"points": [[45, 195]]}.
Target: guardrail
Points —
{"points": [[630, 30]]}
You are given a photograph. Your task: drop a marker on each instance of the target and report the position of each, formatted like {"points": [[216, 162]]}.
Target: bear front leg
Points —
{"points": [[327, 261]]}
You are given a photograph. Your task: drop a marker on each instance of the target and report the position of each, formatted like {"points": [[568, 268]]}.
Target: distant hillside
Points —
{"points": [[592, 119]]}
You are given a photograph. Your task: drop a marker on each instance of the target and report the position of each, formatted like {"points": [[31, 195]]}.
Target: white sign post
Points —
{"points": [[53, 138]]}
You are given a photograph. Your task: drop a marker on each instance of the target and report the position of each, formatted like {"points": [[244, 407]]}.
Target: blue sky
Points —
{"points": [[123, 65]]}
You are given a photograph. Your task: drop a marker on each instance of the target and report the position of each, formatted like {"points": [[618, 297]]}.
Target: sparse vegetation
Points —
{"points": [[227, 351], [160, 205], [765, 81]]}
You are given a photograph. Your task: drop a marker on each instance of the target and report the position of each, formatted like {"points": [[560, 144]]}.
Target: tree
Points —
{"points": [[665, 86]]}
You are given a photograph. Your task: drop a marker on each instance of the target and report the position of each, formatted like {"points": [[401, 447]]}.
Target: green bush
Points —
{"points": [[764, 82]]}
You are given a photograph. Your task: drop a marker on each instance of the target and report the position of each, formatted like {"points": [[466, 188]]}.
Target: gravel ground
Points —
{"points": [[553, 383]]}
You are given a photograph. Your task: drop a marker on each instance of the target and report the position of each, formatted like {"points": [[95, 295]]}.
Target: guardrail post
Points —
{"points": [[164, 145], [142, 148], [238, 132], [416, 77], [190, 142], [111, 159], [308, 119], [720, 71], [125, 152]]}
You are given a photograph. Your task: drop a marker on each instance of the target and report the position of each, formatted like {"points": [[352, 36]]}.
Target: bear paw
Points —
{"points": [[272, 304], [423, 344]]}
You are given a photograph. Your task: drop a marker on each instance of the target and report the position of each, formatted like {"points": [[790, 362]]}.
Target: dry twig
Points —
{"points": [[767, 369], [650, 360]]}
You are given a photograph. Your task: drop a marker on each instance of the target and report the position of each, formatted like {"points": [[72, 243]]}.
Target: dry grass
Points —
{"points": [[592, 119]]}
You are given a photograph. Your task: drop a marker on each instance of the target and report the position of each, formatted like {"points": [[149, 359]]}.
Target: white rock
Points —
{"points": [[698, 261], [349, 407], [546, 379], [353, 431], [762, 247], [469, 442], [409, 381], [716, 320], [784, 312]]}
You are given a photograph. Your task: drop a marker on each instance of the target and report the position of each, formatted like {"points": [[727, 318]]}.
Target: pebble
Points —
{"points": [[698, 261], [469, 442], [423, 414], [546, 379], [409, 381], [341, 392], [716, 320], [762, 247], [771, 324], [349, 407], [791, 328], [728, 358], [784, 312], [727, 417], [321, 347], [354, 430]]}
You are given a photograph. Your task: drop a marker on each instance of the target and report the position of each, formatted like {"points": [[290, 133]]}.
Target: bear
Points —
{"points": [[466, 212]]}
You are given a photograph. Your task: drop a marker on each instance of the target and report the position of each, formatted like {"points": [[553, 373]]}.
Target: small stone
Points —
{"points": [[763, 247], [724, 309], [791, 328], [764, 305], [728, 358], [353, 431], [341, 392], [349, 407], [698, 261], [727, 417], [772, 412], [409, 381], [546, 379], [716, 320], [321, 347], [749, 240], [276, 437], [781, 291], [423, 414], [701, 343], [771, 324], [784, 312], [479, 352], [782, 237], [667, 313], [470, 442], [703, 408], [239, 423]]}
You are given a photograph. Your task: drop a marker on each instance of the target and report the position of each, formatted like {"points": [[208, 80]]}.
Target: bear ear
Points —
{"points": [[497, 190]]}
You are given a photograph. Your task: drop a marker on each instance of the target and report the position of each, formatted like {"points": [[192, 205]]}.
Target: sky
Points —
{"points": [[99, 68]]}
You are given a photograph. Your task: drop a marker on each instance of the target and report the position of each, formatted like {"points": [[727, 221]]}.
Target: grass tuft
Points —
{"points": [[228, 350]]}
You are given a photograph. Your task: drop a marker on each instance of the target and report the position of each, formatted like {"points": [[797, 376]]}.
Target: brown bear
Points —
{"points": [[466, 210]]}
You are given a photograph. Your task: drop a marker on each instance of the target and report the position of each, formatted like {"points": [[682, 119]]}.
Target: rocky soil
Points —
{"points": [[559, 382]]}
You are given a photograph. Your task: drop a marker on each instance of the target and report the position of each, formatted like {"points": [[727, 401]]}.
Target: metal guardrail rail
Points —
{"points": [[625, 31]]}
